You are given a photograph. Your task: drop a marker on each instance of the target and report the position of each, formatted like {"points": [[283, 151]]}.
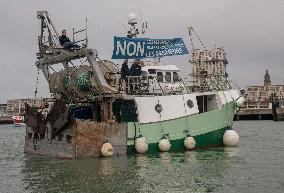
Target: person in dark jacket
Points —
{"points": [[135, 69], [65, 41], [125, 70]]}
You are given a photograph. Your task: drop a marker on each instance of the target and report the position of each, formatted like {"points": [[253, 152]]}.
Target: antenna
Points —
{"points": [[138, 11], [143, 29], [144, 24], [87, 32]]}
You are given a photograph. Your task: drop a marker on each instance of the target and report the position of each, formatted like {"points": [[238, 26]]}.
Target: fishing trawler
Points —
{"points": [[96, 112]]}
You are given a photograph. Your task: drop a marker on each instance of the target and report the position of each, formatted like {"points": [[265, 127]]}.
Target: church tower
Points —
{"points": [[267, 81]]}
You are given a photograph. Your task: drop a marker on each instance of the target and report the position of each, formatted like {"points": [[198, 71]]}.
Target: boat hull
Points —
{"points": [[19, 124], [84, 138], [207, 140], [206, 128]]}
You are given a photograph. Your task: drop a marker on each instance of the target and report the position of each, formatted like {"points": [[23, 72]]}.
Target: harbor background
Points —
{"points": [[249, 31], [251, 37], [255, 166]]}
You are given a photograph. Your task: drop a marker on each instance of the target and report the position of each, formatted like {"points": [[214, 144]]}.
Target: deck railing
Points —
{"points": [[151, 85]]}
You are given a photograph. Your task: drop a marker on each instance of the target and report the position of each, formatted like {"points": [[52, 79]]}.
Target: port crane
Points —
{"points": [[208, 65]]}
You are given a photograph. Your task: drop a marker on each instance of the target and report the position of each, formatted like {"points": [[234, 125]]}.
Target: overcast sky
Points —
{"points": [[251, 32]]}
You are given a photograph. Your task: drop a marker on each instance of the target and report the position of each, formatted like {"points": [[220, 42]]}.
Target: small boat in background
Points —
{"points": [[18, 120]]}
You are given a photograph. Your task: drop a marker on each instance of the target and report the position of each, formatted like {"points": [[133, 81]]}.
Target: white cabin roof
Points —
{"points": [[162, 68], [205, 93]]}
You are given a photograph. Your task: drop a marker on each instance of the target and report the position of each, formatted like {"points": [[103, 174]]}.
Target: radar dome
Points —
{"points": [[132, 18]]}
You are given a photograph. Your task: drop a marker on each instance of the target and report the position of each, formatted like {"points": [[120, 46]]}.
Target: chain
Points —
{"points": [[36, 83]]}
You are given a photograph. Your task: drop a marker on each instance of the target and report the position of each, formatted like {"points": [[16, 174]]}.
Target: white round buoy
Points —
{"points": [[107, 149], [189, 143], [141, 144], [164, 144], [240, 101], [231, 138]]}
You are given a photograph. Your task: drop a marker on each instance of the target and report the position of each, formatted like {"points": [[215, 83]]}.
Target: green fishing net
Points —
{"points": [[83, 81], [66, 81]]}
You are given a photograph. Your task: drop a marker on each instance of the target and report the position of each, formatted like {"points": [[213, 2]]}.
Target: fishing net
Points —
{"points": [[83, 81]]}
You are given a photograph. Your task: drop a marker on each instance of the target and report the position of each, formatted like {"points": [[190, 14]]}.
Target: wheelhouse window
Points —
{"points": [[152, 71], [69, 139], [160, 76], [175, 77], [168, 76]]}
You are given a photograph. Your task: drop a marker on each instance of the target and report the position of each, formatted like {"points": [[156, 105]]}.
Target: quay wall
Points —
{"points": [[258, 114], [6, 120]]}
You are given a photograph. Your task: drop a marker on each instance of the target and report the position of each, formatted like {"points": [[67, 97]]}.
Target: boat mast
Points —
{"points": [[134, 32]]}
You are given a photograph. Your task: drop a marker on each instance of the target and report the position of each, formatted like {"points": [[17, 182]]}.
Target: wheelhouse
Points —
{"points": [[167, 73]]}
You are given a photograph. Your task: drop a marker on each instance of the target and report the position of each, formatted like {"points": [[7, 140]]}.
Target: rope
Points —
{"points": [[36, 90], [198, 38], [186, 116], [161, 118]]}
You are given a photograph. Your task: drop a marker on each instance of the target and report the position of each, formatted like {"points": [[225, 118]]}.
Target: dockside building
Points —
{"points": [[16, 106], [258, 96]]}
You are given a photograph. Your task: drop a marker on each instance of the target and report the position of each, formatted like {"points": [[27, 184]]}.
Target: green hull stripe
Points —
{"points": [[203, 140], [177, 129]]}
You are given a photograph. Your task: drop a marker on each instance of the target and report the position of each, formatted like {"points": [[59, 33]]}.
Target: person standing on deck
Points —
{"points": [[124, 74], [135, 69], [65, 41], [125, 70]]}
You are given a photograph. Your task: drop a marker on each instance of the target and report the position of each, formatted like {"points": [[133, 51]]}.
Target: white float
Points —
{"points": [[164, 144], [107, 150], [240, 101], [231, 138], [141, 144], [189, 143]]}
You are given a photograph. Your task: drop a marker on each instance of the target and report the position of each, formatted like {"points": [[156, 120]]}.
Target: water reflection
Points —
{"points": [[232, 151], [165, 158], [184, 171], [255, 166], [49, 174], [142, 160], [190, 156]]}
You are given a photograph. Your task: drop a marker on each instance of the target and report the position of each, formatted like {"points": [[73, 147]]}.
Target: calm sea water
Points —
{"points": [[256, 166]]}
